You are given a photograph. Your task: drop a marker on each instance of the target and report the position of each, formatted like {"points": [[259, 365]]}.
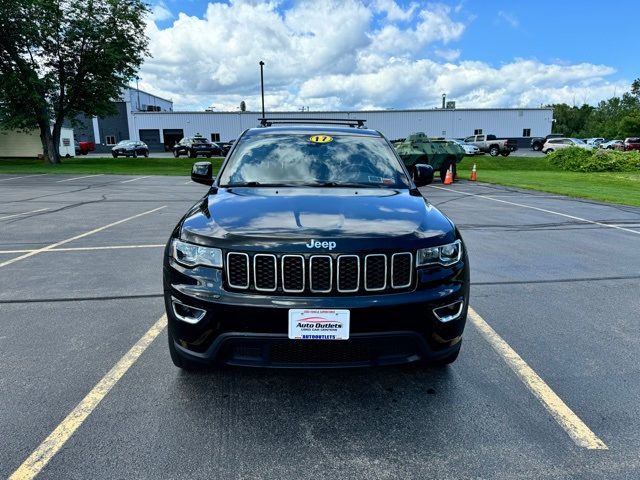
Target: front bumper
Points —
{"points": [[250, 329]]}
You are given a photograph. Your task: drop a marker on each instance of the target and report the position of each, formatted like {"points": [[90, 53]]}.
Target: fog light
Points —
{"points": [[186, 313], [449, 312]]}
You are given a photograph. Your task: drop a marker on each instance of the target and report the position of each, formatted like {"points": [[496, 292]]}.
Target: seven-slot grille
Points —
{"points": [[291, 273]]}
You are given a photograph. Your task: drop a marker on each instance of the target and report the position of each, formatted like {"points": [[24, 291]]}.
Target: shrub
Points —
{"points": [[577, 159]]}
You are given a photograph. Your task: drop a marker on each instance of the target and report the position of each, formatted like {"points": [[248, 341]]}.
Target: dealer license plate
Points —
{"points": [[320, 324]]}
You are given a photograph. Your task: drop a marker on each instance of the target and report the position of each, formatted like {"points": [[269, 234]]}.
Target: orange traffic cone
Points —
{"points": [[474, 173], [448, 179]]}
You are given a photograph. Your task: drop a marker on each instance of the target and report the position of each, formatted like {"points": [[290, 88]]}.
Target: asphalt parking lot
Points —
{"points": [[557, 279]]}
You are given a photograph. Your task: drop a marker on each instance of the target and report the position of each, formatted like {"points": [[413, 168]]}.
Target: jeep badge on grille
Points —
{"points": [[318, 244]]}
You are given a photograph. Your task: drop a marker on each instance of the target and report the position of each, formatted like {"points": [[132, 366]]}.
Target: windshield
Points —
{"points": [[578, 141], [314, 160], [200, 140], [122, 143]]}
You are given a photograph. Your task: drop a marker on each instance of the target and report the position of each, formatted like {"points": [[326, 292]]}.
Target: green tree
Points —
{"points": [[61, 58], [570, 120]]}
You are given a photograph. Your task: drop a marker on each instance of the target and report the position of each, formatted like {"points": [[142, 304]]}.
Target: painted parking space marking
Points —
{"points": [[23, 213], [61, 434], [573, 217], [134, 179], [82, 235], [79, 178], [23, 176], [569, 421], [88, 249]]}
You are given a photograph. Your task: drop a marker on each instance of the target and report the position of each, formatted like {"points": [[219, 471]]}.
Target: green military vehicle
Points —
{"points": [[440, 154]]}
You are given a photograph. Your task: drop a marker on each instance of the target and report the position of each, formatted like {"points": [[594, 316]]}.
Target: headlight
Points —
{"points": [[445, 255], [191, 255]]}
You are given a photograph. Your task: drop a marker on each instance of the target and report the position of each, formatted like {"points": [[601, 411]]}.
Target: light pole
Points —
{"points": [[138, 91], [262, 85], [444, 99]]}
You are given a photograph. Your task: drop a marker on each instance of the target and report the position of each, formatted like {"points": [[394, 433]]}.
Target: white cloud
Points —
{"points": [[508, 18], [393, 11], [160, 12], [374, 55], [449, 54]]}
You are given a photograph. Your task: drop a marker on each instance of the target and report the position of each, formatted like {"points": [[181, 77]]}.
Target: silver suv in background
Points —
{"points": [[554, 144]]}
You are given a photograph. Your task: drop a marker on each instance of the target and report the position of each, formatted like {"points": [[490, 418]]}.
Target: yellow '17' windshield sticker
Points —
{"points": [[321, 139]]}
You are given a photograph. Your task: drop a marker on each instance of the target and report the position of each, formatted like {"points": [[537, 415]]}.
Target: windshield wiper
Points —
{"points": [[258, 184], [345, 184]]}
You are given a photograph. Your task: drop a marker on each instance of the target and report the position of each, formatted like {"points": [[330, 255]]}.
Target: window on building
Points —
{"points": [[477, 131], [215, 137], [110, 139], [526, 132]]}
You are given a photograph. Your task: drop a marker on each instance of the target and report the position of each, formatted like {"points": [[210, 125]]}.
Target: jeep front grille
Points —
{"points": [[319, 274]]}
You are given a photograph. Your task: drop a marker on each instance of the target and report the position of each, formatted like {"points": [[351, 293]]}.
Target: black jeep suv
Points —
{"points": [[314, 248], [194, 146]]}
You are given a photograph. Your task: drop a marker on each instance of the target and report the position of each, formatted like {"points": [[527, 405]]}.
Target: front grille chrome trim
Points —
{"points": [[411, 267], [290, 290], [342, 257], [275, 272], [366, 278], [311, 274], [232, 285]]}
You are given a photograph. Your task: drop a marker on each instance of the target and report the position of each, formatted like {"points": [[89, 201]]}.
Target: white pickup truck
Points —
{"points": [[492, 145]]}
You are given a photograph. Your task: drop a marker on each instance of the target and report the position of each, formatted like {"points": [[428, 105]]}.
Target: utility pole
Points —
{"points": [[138, 91], [262, 85], [444, 99]]}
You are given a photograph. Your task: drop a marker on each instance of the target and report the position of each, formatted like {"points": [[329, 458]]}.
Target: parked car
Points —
{"points": [[130, 148], [560, 143], [369, 273], [226, 146], [631, 143], [538, 142], [194, 146], [492, 145], [84, 147], [468, 148], [596, 141], [612, 145]]}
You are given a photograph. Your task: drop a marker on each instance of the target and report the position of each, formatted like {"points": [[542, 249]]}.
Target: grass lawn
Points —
{"points": [[107, 165], [536, 173]]}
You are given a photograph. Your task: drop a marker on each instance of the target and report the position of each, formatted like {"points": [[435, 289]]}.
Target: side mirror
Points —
{"points": [[422, 175], [202, 172]]}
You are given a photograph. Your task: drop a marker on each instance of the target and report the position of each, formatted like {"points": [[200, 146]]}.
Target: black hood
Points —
{"points": [[289, 218]]}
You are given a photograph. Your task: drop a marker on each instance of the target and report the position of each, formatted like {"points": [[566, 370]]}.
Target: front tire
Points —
{"points": [[176, 154], [135, 154], [550, 150], [114, 155], [146, 154], [537, 147]]}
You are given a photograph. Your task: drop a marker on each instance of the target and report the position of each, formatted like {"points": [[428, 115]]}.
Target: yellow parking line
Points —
{"points": [[569, 421], [82, 235], [56, 439]]}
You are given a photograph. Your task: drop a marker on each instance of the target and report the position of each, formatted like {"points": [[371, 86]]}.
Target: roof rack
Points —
{"points": [[351, 122]]}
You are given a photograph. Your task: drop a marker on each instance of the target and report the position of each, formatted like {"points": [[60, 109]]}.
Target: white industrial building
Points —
{"points": [[163, 129]]}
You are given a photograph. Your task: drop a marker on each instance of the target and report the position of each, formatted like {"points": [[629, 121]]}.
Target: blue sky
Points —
{"points": [[390, 54]]}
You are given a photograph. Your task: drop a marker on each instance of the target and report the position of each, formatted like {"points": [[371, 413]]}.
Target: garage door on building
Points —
{"points": [[152, 139], [171, 137]]}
